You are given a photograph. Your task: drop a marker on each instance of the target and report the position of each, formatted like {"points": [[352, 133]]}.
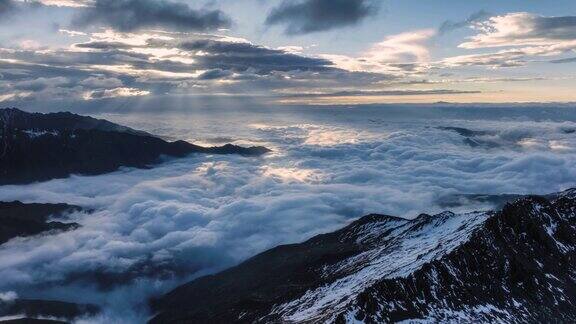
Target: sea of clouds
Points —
{"points": [[151, 230]]}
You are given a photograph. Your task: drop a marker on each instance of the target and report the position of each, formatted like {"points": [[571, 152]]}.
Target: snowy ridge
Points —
{"points": [[530, 236], [400, 248], [513, 265]]}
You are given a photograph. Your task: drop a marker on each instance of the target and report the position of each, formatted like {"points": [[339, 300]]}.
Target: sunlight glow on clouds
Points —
{"points": [[405, 48], [116, 92]]}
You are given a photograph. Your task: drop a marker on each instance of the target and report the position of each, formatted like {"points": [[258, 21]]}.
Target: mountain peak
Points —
{"points": [[480, 266]]}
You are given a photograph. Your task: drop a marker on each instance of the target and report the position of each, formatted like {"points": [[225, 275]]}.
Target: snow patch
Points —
{"points": [[405, 248], [38, 133]]}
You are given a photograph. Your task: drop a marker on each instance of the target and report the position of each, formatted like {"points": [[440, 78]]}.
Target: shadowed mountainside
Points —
{"points": [[38, 147], [19, 219]]}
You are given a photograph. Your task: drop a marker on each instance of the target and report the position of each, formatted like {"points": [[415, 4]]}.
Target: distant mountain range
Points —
{"points": [[515, 265], [38, 147]]}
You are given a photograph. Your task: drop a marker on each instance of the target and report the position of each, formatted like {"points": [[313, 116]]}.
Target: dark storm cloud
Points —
{"points": [[450, 25], [308, 16], [129, 15]]}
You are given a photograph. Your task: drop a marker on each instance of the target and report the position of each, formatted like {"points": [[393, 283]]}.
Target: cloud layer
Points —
{"points": [[111, 64], [155, 228], [157, 63]]}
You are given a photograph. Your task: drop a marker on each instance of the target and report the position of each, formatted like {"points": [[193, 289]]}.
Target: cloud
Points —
{"points": [[12, 6], [514, 57], [8, 297], [101, 82], [115, 93], [241, 56], [166, 64], [155, 228], [400, 53], [309, 16], [449, 25], [525, 37], [214, 74], [503, 59], [402, 48], [131, 15], [53, 76], [519, 29], [41, 83]]}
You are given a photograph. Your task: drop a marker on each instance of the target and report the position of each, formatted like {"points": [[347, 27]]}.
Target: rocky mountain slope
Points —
{"points": [[18, 219], [38, 147], [515, 265]]}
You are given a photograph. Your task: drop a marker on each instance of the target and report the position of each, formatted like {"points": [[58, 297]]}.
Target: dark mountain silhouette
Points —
{"points": [[38, 147], [33, 310], [19, 220]]}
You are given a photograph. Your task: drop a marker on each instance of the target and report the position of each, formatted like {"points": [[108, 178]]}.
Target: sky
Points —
{"points": [[87, 53]]}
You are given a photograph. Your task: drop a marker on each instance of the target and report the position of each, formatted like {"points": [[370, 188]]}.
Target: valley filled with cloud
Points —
{"points": [[153, 229]]}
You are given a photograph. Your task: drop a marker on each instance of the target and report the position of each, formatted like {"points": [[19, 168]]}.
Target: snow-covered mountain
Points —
{"points": [[513, 265]]}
